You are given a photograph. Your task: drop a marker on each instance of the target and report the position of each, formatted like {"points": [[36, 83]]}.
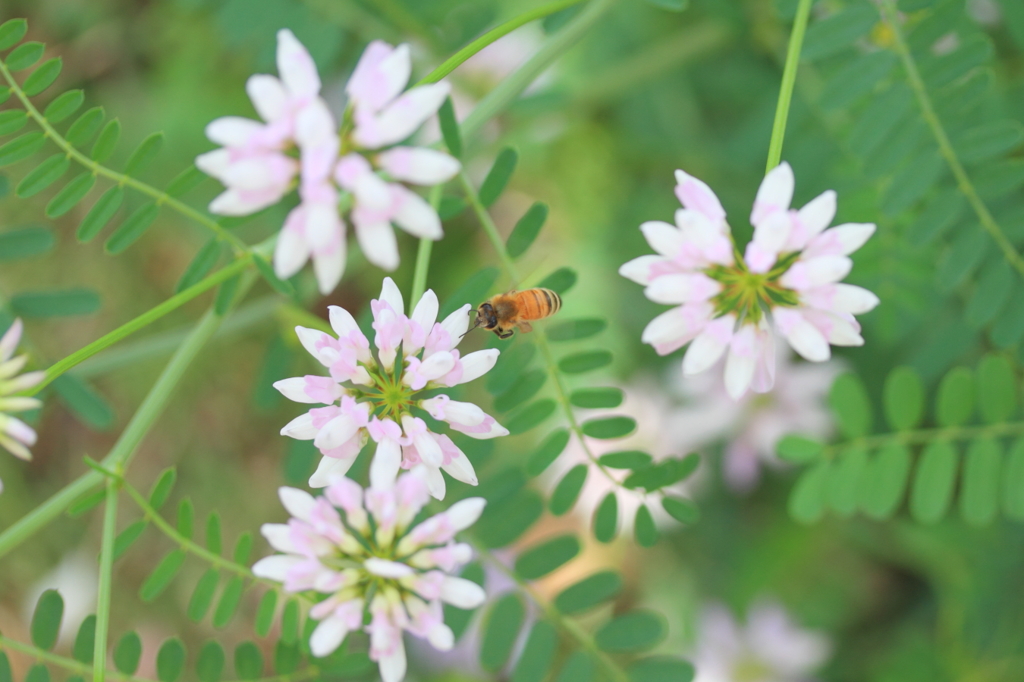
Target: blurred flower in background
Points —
{"points": [[769, 647]]}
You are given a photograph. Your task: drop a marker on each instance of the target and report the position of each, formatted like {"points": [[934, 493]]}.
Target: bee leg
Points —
{"points": [[525, 327], [503, 333]]}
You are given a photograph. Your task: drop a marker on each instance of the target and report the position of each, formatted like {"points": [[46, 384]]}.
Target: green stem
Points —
{"points": [[510, 88], [150, 409], [99, 648], [147, 318], [919, 436], [796, 41], [569, 626], [963, 181], [453, 62], [60, 661], [161, 197], [426, 246]]}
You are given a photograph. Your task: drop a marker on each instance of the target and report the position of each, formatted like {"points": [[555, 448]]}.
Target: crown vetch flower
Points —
{"points": [[15, 435], [368, 397], [360, 548], [790, 272]]}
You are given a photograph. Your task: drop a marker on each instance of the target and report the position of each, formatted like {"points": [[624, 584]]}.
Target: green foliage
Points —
{"points": [[574, 330], [450, 128], [248, 661], [162, 487], [144, 154], [500, 631], [559, 281], [56, 303], [626, 459], [265, 613], [202, 595], [565, 494], [606, 518], [681, 510], [42, 176], [609, 427], [25, 243], [127, 537], [530, 416], [107, 141], [210, 663], [127, 653], [46, 619], [186, 518], [546, 557], [85, 640], [162, 575], [547, 452], [11, 33], [504, 522], [43, 77], [24, 56], [644, 530], [579, 667], [85, 127], [132, 228], [632, 632], [499, 175], [69, 196], [21, 148], [170, 660], [63, 106], [526, 230], [228, 603], [585, 361], [538, 654], [660, 669], [100, 214]]}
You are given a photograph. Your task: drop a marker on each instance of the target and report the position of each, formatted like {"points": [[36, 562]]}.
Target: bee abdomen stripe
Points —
{"points": [[554, 301]]}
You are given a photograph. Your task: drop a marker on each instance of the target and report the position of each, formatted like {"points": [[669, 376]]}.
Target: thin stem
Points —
{"points": [[99, 648], [161, 197], [963, 181], [453, 62], [569, 626], [510, 88], [426, 246], [918, 436], [147, 318], [796, 41], [61, 661]]}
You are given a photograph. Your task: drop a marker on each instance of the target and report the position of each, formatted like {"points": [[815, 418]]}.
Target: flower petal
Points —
{"points": [[268, 95], [709, 345], [774, 194], [419, 165], [399, 119], [697, 196], [298, 72], [329, 470], [380, 74]]}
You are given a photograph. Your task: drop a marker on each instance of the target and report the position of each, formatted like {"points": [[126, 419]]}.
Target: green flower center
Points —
{"points": [[747, 294]]}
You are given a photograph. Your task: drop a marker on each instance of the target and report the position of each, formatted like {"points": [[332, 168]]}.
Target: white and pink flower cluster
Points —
{"points": [[368, 397], [374, 560], [356, 167], [791, 272], [15, 435]]}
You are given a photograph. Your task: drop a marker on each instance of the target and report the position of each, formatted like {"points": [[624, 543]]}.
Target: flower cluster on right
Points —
{"points": [[791, 272]]}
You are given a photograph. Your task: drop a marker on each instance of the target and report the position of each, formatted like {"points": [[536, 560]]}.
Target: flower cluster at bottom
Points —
{"points": [[15, 435], [371, 561]]}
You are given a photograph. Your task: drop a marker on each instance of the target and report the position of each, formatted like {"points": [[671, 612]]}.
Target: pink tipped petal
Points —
{"points": [[300, 428], [328, 269], [390, 294], [298, 72], [275, 567], [380, 74], [377, 240], [330, 470], [839, 241], [414, 215], [328, 636], [268, 96], [674, 328], [461, 469], [478, 363], [233, 131], [425, 312], [238, 203], [315, 127], [387, 461], [462, 593], [645, 269], [299, 503], [816, 272], [336, 432], [682, 288], [697, 196], [741, 362], [811, 220], [9, 341], [215, 163], [764, 370], [419, 165], [709, 345], [853, 299], [393, 665], [837, 330], [18, 430], [664, 238], [804, 337], [400, 119], [774, 194]]}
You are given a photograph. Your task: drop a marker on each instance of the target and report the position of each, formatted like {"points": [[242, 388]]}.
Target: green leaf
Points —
{"points": [[573, 330], [265, 613], [499, 175], [276, 283], [63, 106], [849, 401], [100, 214], [548, 556], [161, 489], [589, 592], [538, 654], [975, 50], [670, 5], [38, 673], [500, 632], [127, 653], [43, 77], [25, 55], [579, 667], [996, 180], [450, 128], [559, 281], [228, 603], [660, 669], [989, 140], [186, 518], [856, 79], [170, 660], [144, 154], [903, 398], [86, 502], [798, 449], [955, 402], [979, 497], [990, 294], [510, 366], [132, 228], [162, 575], [85, 640], [213, 539], [202, 596], [1013, 482], [186, 180], [450, 207], [243, 547], [554, 22], [937, 217], [107, 141], [597, 398], [547, 452], [834, 33], [70, 195], [21, 147], [525, 387], [530, 416], [632, 632], [286, 658], [884, 481], [210, 663], [606, 518], [42, 176], [225, 295], [807, 499], [997, 389], [526, 230], [644, 530], [248, 661], [11, 32], [609, 427], [663, 474], [843, 485], [5, 93], [503, 523], [201, 265], [472, 291], [681, 510], [127, 537], [290, 621], [85, 126], [46, 619], [626, 459], [932, 489], [25, 243], [12, 120], [55, 303], [586, 361], [565, 494]]}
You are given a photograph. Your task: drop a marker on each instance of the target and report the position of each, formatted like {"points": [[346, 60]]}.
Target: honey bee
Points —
{"points": [[505, 312]]}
